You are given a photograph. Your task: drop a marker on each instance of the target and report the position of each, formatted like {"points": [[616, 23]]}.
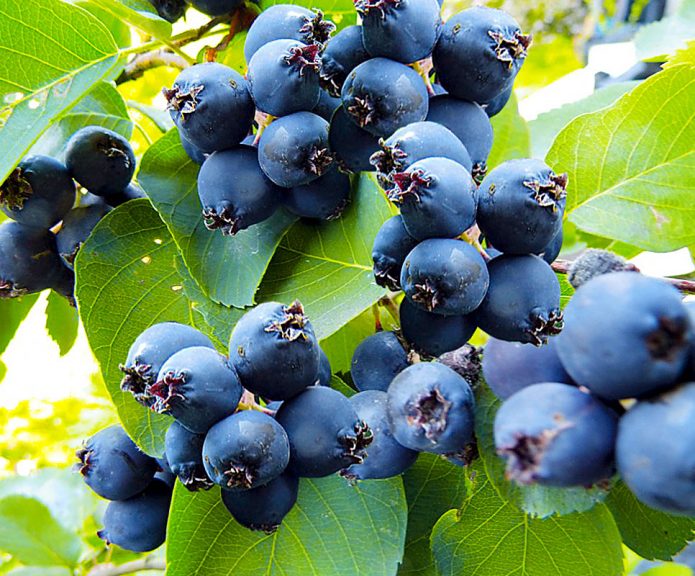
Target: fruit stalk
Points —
{"points": [[146, 563]]}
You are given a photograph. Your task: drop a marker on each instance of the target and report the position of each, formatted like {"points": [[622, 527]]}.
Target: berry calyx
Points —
{"points": [[543, 327], [319, 160], [292, 326], [9, 289], [165, 391], [549, 192], [84, 455], [239, 476], [388, 159], [135, 381], [667, 340], [362, 110], [355, 442], [317, 30], [182, 100], [430, 412], [408, 184], [303, 57], [364, 7], [509, 49], [225, 221], [15, 190], [427, 295], [479, 172], [524, 456]]}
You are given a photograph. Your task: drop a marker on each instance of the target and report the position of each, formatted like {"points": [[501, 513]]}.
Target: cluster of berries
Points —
{"points": [[173, 10], [50, 220]]}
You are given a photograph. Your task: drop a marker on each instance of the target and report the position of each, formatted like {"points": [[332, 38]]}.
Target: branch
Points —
{"points": [[143, 62], [685, 286], [146, 563]]}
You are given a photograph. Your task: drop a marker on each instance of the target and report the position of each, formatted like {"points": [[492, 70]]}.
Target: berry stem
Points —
{"points": [[248, 402], [263, 120], [377, 318], [391, 307], [241, 20], [423, 68], [146, 563]]}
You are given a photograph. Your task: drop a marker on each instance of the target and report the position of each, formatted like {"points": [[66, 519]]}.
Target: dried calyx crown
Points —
{"points": [[239, 476], [183, 100], [408, 185], [430, 412], [543, 326], [510, 48], [111, 149], [292, 324], [388, 159], [135, 380], [317, 30], [525, 454], [365, 7], [363, 110], [166, 391], [549, 191], [194, 478], [84, 455], [354, 442], [427, 294], [319, 160], [9, 289], [224, 220], [15, 190], [666, 342], [303, 57]]}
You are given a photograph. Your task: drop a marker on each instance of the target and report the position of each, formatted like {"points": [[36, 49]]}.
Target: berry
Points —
{"points": [[594, 263], [416, 142], [343, 53], [385, 457], [245, 450], [211, 106], [470, 124], [100, 160], [434, 334], [444, 276], [351, 145], [285, 21], [113, 466], [196, 386], [275, 351], [64, 284], [430, 409], [436, 197], [151, 350], [77, 226], [294, 150], [403, 30], [139, 523], [265, 507], [520, 206], [325, 373], [552, 250], [192, 151], [184, 452], [234, 192], [654, 450], [391, 247], [626, 336], [377, 360], [324, 199], [284, 77], [556, 435], [131, 192], [479, 53], [465, 361], [381, 96], [39, 192], [325, 433], [690, 307], [523, 301], [29, 260], [170, 10], [216, 7], [511, 366], [497, 104], [327, 105]]}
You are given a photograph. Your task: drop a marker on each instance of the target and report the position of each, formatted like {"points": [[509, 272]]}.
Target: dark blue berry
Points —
{"points": [[29, 260], [196, 386], [552, 250], [377, 361], [263, 508], [627, 336], [470, 124], [430, 409], [139, 524], [520, 206], [192, 151], [690, 307], [325, 433], [434, 334], [184, 453], [131, 192], [275, 351], [391, 246], [556, 435], [511, 366], [286, 21], [403, 30], [497, 104], [216, 7], [436, 197], [170, 10], [385, 457], [444, 276], [77, 226], [113, 466], [211, 106], [294, 150], [39, 192], [523, 301], [234, 192], [325, 373], [343, 53], [351, 145], [323, 199], [151, 350], [245, 451], [284, 77], [654, 450], [479, 53], [382, 95], [327, 105]]}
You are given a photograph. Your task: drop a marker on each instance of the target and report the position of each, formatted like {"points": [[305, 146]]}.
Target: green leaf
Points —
{"points": [[13, 312], [566, 290], [512, 136], [660, 39], [535, 500], [328, 266], [334, 528], [31, 534], [118, 28], [669, 570], [62, 322], [36, 87], [340, 385], [489, 536], [432, 487], [140, 13], [631, 165], [126, 281], [548, 125], [651, 534], [160, 118], [228, 270], [101, 106]]}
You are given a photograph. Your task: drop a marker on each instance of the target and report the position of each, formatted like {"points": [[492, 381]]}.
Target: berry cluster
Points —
{"points": [[50, 220]]}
